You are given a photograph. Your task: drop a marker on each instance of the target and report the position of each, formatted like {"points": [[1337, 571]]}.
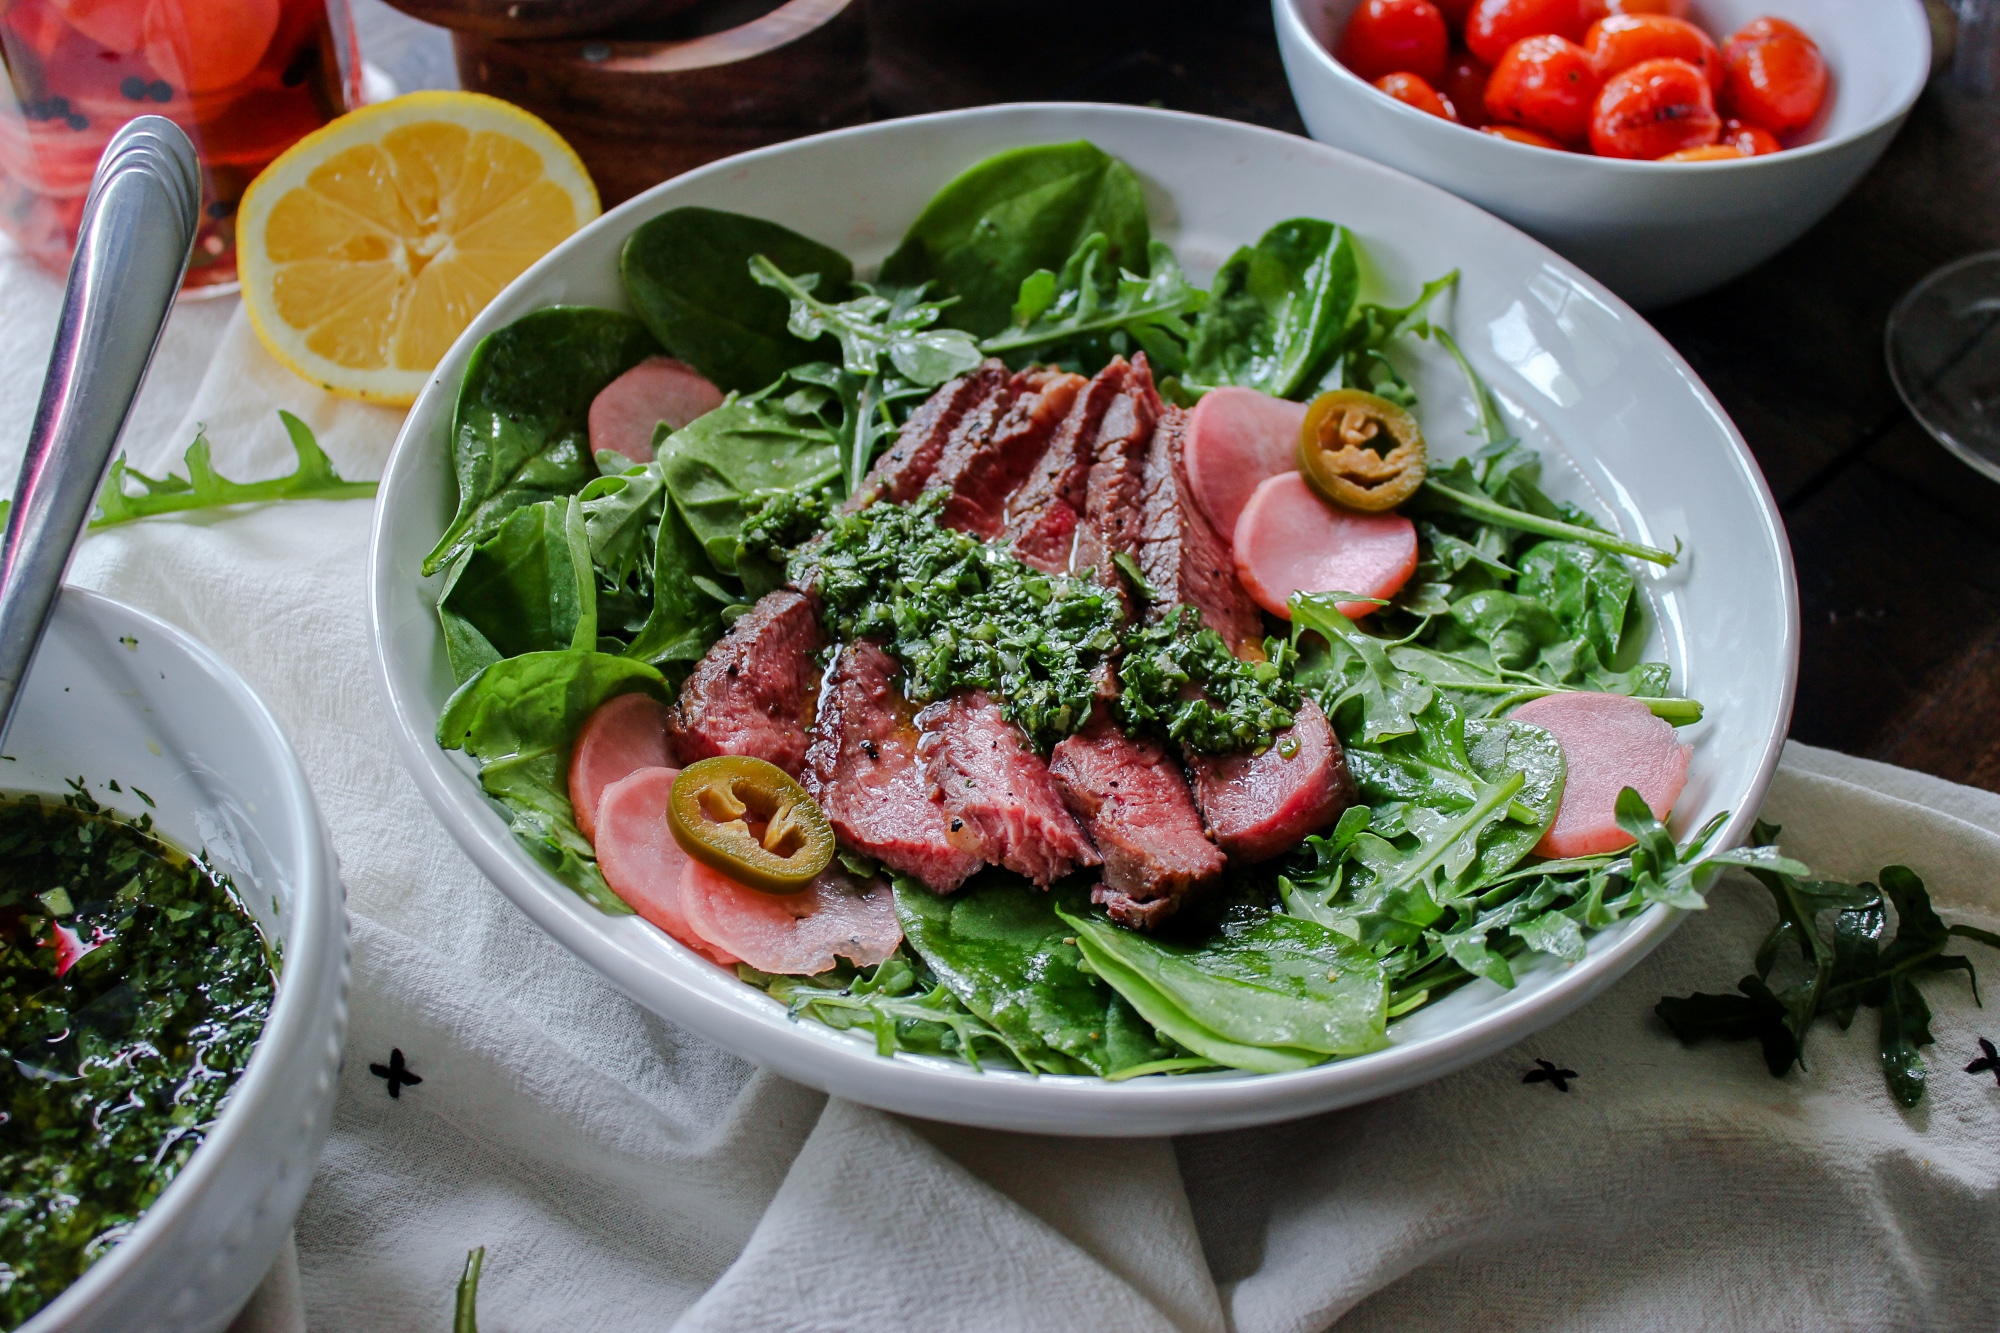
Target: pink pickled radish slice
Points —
{"points": [[794, 934], [1237, 438], [640, 859], [624, 735], [1290, 540], [1610, 742], [625, 411]]}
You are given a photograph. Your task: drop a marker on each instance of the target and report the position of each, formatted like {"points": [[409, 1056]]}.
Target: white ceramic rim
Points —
{"points": [[316, 913], [1288, 13], [1205, 1101]]}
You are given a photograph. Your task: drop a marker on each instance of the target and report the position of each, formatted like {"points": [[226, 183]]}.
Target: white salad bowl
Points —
{"points": [[116, 695], [1629, 430], [1654, 232]]}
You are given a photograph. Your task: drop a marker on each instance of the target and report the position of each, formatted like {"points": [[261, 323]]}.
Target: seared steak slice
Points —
{"points": [[753, 693], [981, 471], [1115, 489], [1042, 515], [1257, 806], [1134, 803], [900, 474], [862, 769], [1181, 555], [994, 787]]}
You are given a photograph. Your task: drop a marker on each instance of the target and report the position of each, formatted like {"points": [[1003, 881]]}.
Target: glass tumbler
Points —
{"points": [[245, 78]]}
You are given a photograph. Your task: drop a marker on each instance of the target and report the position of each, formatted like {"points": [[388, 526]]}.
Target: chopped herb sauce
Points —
{"points": [[132, 989], [1179, 678]]}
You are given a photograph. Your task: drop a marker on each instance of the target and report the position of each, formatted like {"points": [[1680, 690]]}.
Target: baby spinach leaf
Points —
{"points": [[687, 273], [1277, 309], [1001, 948], [518, 718], [529, 588], [315, 478], [903, 1005], [1515, 629], [521, 433], [716, 465], [1267, 993], [685, 620], [1589, 590], [1014, 213], [1498, 747], [1094, 310]]}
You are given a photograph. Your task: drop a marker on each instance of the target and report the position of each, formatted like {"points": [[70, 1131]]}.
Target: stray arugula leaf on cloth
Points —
{"points": [[315, 478], [1851, 964]]}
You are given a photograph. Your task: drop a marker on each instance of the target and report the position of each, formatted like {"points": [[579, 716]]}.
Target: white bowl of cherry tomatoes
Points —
{"points": [[1666, 147]]}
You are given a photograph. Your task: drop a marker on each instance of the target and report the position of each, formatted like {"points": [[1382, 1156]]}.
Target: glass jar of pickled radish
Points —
{"points": [[245, 78]]}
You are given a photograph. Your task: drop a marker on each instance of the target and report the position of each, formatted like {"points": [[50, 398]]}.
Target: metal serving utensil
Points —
{"points": [[131, 252]]}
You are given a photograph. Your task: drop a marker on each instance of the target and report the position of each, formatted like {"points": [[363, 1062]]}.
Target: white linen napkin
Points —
{"points": [[623, 1173]]}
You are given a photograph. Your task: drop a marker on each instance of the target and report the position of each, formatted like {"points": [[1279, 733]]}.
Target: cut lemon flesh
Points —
{"points": [[366, 249]]}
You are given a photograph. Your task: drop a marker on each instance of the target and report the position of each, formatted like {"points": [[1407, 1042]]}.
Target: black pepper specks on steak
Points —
{"points": [[753, 693], [985, 776]]}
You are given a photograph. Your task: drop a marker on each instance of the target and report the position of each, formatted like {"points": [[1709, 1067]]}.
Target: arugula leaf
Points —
{"points": [[686, 273], [871, 327], [1590, 591], [1095, 310], [528, 588], [1002, 219], [1846, 968], [1438, 495], [1001, 948], [1278, 309], [902, 1004], [315, 478], [1363, 350], [521, 433], [619, 511], [518, 718], [718, 465], [1358, 672], [1268, 993]]}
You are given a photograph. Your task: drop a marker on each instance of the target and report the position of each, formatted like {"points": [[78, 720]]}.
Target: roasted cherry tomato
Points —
{"points": [[1653, 109], [1342, 453], [1624, 40], [1412, 91], [1545, 83], [1388, 36], [751, 821], [1464, 86], [1600, 9], [1495, 25], [1714, 152], [1747, 139], [1515, 134], [1773, 76]]}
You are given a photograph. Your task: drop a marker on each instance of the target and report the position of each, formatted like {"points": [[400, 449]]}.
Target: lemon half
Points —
{"points": [[367, 248]]}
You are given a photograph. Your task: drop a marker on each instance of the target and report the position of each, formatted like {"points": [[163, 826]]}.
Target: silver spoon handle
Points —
{"points": [[131, 253]]}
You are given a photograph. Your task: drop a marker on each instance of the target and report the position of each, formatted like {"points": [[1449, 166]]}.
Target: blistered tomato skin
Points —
{"points": [[1749, 140], [1395, 36], [1515, 134], [1776, 80], [1464, 86], [1545, 83], [1653, 109], [1495, 25], [1413, 91], [1617, 43]]}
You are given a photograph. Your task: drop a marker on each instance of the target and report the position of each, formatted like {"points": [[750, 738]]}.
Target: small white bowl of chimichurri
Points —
{"points": [[173, 977]]}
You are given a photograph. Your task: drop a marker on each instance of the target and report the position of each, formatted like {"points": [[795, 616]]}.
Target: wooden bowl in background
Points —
{"points": [[672, 86]]}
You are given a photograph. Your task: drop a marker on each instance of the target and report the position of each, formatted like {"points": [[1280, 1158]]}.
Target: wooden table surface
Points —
{"points": [[1897, 543]]}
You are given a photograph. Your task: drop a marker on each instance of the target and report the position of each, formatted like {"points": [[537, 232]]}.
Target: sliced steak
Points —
{"points": [[862, 769], [1042, 515], [753, 693], [993, 786], [1181, 555], [1132, 800], [900, 474], [1115, 489], [1257, 806], [981, 471]]}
